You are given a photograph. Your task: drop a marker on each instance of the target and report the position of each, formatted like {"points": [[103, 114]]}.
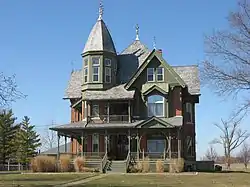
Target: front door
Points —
{"points": [[118, 149]]}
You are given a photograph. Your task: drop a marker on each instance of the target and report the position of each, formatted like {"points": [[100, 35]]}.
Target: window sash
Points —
{"points": [[156, 109], [95, 110], [86, 74], [107, 75], [160, 74], [107, 62], [95, 74], [95, 61], [150, 74]]}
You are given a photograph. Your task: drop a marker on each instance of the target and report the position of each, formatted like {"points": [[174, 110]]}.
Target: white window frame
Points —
{"points": [[86, 74], [98, 109], [107, 60], [108, 74], [189, 109], [97, 65], [95, 135], [95, 57], [148, 69], [160, 74], [158, 102]]}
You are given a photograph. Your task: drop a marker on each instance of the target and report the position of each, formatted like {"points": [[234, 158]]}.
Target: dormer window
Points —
{"points": [[107, 62], [95, 68], [150, 74], [159, 74]]}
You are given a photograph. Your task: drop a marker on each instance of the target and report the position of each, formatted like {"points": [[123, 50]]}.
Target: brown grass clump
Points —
{"points": [[65, 165], [176, 165], [159, 166], [145, 165], [43, 164], [79, 164]]}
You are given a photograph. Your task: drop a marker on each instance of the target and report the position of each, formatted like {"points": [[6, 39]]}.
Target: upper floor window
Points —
{"points": [[107, 74], [107, 62], [189, 146], [189, 112], [156, 106], [95, 110], [95, 61], [159, 74], [150, 74], [85, 74], [86, 62]]}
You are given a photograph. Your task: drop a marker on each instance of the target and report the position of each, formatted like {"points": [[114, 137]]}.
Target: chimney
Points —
{"points": [[159, 51]]}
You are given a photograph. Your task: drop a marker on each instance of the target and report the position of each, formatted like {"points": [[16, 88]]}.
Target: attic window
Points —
{"points": [[159, 74], [150, 74]]}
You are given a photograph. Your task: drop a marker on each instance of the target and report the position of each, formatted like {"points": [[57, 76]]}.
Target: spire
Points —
{"points": [[100, 10], [137, 32], [154, 42]]}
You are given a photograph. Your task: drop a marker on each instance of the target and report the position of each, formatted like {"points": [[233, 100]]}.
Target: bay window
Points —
{"points": [[107, 74], [95, 110], [85, 70], [95, 68]]}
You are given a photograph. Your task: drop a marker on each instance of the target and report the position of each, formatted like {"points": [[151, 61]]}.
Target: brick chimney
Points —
{"points": [[159, 51]]}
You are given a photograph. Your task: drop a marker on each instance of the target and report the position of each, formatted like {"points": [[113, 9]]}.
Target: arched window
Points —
{"points": [[156, 106]]}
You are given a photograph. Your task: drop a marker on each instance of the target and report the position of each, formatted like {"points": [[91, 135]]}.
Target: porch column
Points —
{"points": [[82, 142], [138, 145], [179, 144], [106, 141], [129, 111], [129, 140], [58, 150], [86, 110], [108, 112], [83, 110], [65, 144], [169, 145]]}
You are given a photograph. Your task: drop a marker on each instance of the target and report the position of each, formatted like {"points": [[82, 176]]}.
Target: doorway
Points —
{"points": [[118, 147]]}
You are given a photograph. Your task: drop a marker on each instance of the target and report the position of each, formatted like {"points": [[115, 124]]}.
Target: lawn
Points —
{"points": [[33, 179], [180, 180]]}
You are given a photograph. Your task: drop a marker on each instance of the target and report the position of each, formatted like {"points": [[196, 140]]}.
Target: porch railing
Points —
{"points": [[153, 155], [104, 161], [127, 161], [92, 155], [112, 118]]}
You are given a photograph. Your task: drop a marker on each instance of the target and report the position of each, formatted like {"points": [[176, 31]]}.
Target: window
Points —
{"points": [[86, 74], [159, 74], [107, 75], [107, 62], [95, 61], [156, 106], [156, 146], [95, 110], [150, 74], [95, 74], [189, 145], [95, 143], [86, 62], [189, 112]]}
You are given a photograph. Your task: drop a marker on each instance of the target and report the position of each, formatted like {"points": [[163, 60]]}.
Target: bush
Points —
{"points": [[145, 165], [176, 165], [159, 166], [43, 164], [79, 164], [65, 163]]}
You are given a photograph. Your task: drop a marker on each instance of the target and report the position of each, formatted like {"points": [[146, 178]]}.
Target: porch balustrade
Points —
{"points": [[113, 118]]}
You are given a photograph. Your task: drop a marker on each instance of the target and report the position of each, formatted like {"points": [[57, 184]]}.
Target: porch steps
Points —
{"points": [[93, 163], [116, 166]]}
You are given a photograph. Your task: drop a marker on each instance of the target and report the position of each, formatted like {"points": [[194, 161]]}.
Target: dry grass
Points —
{"points": [[176, 165], [79, 164], [43, 164], [145, 165], [65, 163], [159, 166]]}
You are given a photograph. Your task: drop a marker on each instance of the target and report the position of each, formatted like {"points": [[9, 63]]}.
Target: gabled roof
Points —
{"points": [[153, 54], [99, 39], [73, 89]]}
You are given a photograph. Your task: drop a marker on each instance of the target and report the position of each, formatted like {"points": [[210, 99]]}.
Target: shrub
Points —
{"points": [[65, 165], [79, 164], [176, 165], [159, 166], [43, 164]]}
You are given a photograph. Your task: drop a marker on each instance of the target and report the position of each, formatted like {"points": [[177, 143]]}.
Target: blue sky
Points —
{"points": [[39, 40]]}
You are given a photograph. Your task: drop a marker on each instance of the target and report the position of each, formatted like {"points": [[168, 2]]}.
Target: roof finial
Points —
{"points": [[154, 43], [100, 10], [137, 32]]}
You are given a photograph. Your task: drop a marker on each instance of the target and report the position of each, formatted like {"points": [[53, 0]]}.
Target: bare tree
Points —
{"points": [[211, 154], [227, 70], [231, 138], [8, 90], [245, 154]]}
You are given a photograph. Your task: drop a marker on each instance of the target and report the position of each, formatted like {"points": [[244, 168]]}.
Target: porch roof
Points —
{"points": [[83, 125]]}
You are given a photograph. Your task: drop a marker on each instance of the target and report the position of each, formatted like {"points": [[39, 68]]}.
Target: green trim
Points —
{"points": [[162, 122], [152, 88], [153, 54]]}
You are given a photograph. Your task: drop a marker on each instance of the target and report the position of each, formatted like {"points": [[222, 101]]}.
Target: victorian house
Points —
{"points": [[132, 104]]}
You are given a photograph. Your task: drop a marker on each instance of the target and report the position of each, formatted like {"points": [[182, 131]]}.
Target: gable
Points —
{"points": [[154, 88], [154, 122], [155, 60]]}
